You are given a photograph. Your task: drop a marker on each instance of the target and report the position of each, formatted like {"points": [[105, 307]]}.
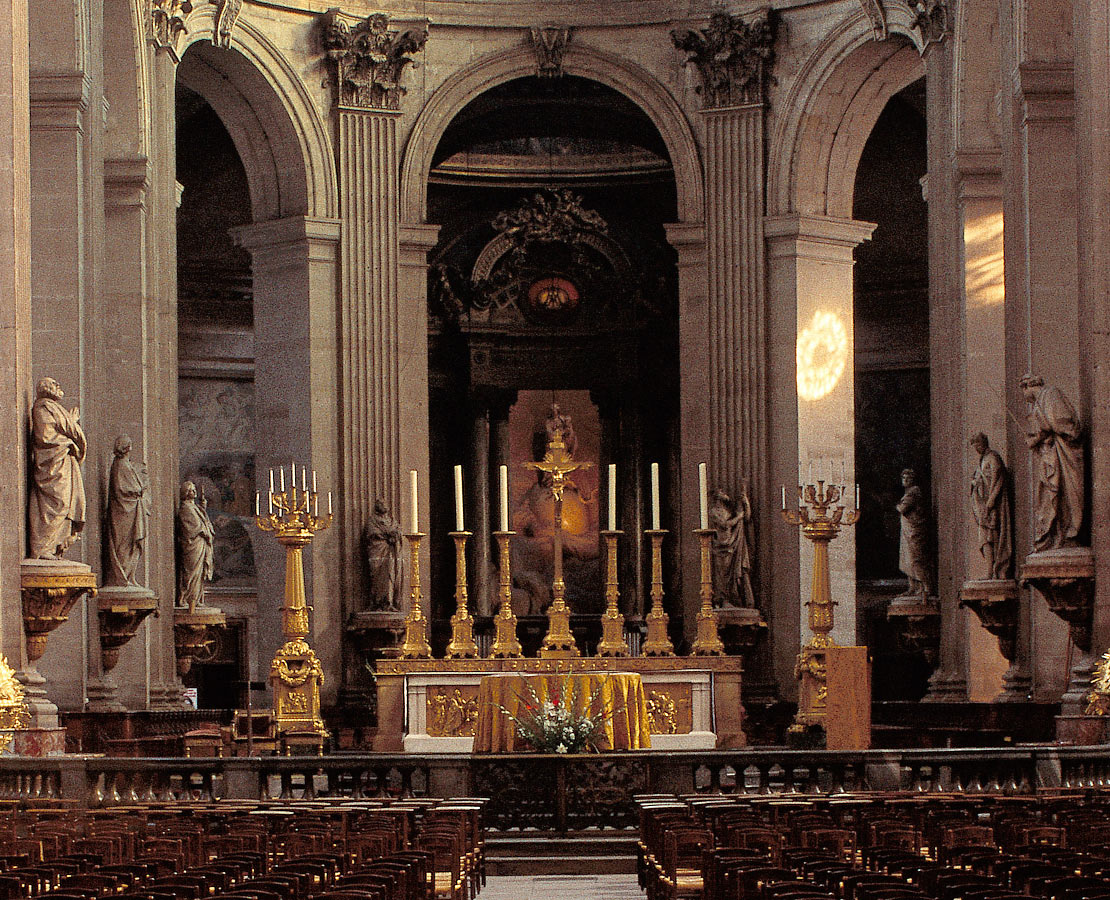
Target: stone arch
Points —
{"points": [[638, 85], [271, 117], [830, 110], [126, 79]]}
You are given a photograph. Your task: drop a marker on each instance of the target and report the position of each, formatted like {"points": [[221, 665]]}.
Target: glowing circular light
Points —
{"points": [[822, 355]]}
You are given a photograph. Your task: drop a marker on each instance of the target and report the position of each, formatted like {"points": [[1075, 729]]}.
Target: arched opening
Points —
{"points": [[552, 282], [250, 352], [891, 323]]}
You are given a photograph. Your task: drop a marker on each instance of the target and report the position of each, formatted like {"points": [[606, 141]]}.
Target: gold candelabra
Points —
{"points": [[462, 645], [557, 464], [612, 622], [657, 642], [821, 516], [295, 672], [416, 644], [708, 642], [505, 642]]}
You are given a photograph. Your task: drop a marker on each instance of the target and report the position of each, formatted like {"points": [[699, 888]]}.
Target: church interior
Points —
{"points": [[655, 444]]}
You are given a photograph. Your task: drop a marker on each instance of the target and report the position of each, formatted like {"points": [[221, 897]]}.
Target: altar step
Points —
{"points": [[577, 853]]}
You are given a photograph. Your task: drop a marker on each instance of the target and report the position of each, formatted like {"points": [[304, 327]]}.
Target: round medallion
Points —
{"points": [[552, 297]]}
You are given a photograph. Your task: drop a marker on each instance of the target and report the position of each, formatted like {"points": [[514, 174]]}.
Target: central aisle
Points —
{"points": [[562, 887]]}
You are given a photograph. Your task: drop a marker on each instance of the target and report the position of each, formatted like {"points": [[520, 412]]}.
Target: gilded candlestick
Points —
{"points": [[658, 642], [295, 671], [462, 644], [612, 622], [821, 516], [416, 644], [708, 641], [505, 642]]}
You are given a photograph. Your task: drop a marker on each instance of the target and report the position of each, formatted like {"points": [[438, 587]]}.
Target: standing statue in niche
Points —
{"points": [[732, 561], [913, 543], [57, 501], [195, 559], [990, 504], [381, 542], [1055, 438], [128, 511]]}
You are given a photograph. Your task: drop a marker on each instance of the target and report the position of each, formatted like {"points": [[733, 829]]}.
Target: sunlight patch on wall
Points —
{"points": [[985, 275], [822, 355]]}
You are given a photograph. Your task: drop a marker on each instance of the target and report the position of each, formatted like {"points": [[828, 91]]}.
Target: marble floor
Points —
{"points": [[561, 887]]}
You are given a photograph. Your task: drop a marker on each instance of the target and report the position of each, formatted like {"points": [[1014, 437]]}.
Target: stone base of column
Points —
{"points": [[1074, 700], [102, 695], [1017, 685], [44, 714], [168, 696], [946, 687]]}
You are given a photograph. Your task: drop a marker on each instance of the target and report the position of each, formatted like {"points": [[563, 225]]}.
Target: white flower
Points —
{"points": [[562, 748]]}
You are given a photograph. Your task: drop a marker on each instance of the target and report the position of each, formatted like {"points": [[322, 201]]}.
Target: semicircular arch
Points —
{"points": [[624, 76], [831, 109], [270, 116]]}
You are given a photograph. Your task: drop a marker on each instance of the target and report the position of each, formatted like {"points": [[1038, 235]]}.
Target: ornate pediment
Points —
{"points": [[368, 59], [733, 57]]}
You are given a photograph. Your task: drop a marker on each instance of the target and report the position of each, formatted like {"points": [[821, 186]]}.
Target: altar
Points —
{"points": [[431, 705]]}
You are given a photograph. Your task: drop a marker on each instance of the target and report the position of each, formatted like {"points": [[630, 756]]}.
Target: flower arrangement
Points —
{"points": [[552, 726]]}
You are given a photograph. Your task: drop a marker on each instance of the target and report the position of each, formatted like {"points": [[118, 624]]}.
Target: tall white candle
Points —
{"points": [[257, 503], [315, 504], [784, 496], [503, 488], [329, 503], [293, 474], [857, 496], [282, 471], [612, 496], [270, 504], [314, 481], [703, 495], [271, 481], [458, 499], [304, 480], [415, 516], [655, 496]]}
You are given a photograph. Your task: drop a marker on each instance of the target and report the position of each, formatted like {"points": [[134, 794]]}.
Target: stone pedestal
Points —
{"points": [[192, 634], [120, 611], [918, 621], [33, 741], [1065, 577], [741, 630], [997, 605], [1082, 731]]}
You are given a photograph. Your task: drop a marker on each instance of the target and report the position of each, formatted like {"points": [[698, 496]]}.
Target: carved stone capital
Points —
{"points": [[550, 43], [167, 22], [367, 60], [933, 19], [733, 57]]}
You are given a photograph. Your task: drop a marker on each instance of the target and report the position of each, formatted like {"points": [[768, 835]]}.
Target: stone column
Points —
{"points": [[946, 362], [293, 268], [984, 296], [15, 319], [1092, 116], [1042, 313], [810, 263], [734, 60], [367, 60]]}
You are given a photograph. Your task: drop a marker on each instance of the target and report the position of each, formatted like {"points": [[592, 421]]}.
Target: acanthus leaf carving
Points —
{"points": [[368, 60], [167, 22], [733, 57], [933, 19], [227, 15], [550, 43]]}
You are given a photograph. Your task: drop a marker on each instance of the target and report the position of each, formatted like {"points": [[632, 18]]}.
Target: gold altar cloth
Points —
{"points": [[621, 692]]}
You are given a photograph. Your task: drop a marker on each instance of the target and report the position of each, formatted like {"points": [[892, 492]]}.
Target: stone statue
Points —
{"points": [[381, 542], [990, 504], [57, 501], [913, 544], [195, 559], [732, 561], [1055, 438], [128, 511]]}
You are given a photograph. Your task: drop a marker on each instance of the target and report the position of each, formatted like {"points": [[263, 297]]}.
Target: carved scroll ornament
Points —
{"points": [[368, 60]]}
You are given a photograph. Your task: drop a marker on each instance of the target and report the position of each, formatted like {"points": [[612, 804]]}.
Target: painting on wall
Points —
{"points": [[216, 428], [533, 509]]}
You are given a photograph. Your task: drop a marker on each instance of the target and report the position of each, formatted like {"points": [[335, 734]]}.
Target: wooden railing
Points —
{"points": [[550, 792]]}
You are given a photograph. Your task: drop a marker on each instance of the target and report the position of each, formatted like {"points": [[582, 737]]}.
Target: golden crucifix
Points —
{"points": [[558, 462]]}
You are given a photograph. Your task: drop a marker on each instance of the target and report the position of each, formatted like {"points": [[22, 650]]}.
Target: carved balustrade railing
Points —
{"points": [[550, 792]]}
